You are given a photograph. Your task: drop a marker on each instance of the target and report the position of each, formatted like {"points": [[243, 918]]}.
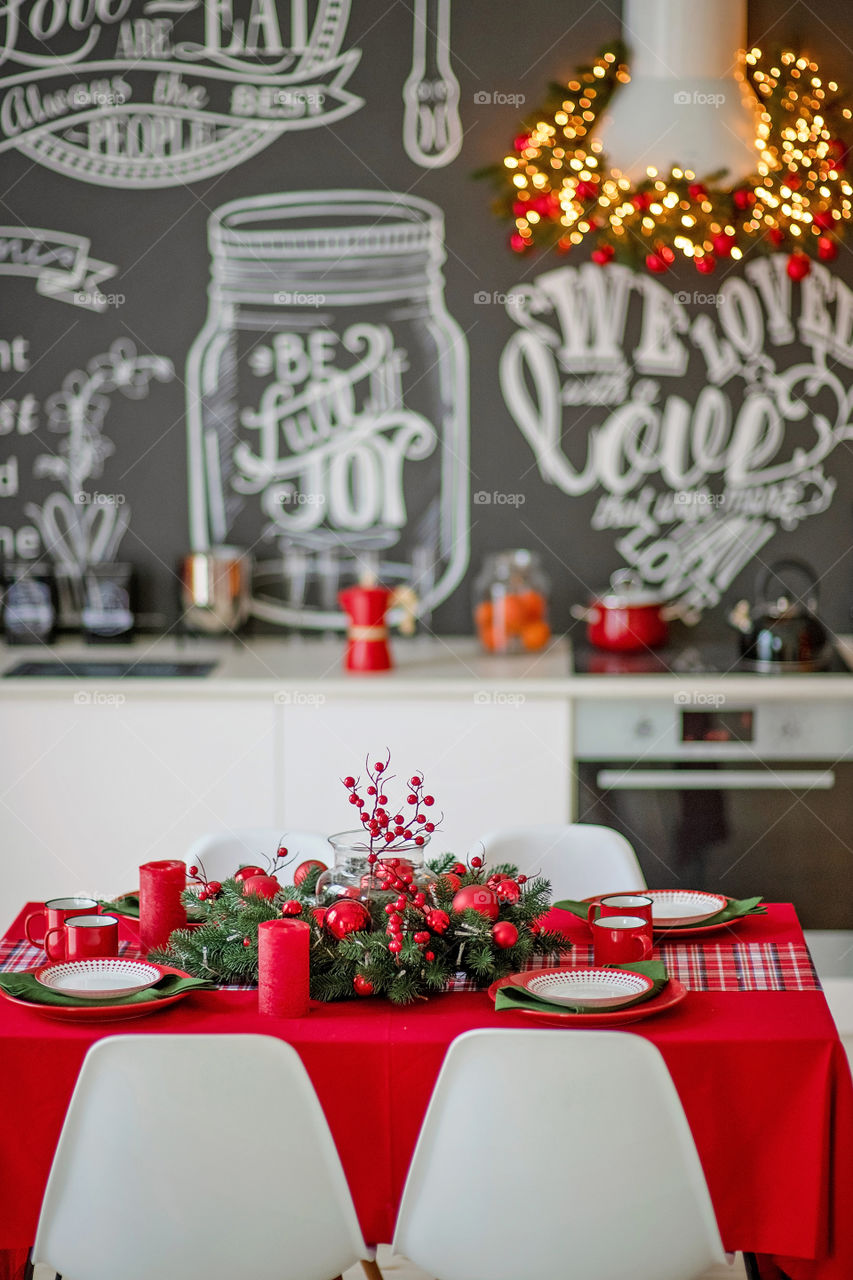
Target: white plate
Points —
{"points": [[99, 978], [589, 988], [674, 907]]}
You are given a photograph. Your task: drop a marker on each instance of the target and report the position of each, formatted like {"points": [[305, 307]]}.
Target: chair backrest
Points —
{"points": [[579, 858], [199, 1157], [554, 1153], [222, 852]]}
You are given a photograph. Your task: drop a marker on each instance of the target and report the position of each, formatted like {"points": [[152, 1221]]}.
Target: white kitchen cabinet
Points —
{"points": [[490, 759], [90, 788]]}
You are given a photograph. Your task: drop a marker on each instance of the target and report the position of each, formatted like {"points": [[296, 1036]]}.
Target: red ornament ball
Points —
{"points": [[395, 946], [362, 986], [586, 190], [505, 934], [349, 781], [247, 942], [776, 236], [508, 890], [477, 897], [723, 244], [824, 219], [305, 868], [655, 263], [827, 249], [429, 955], [291, 908], [437, 920], [246, 873], [743, 197], [264, 886], [706, 264], [214, 887], [319, 914], [641, 200], [450, 882], [798, 266], [697, 191], [193, 871], [602, 255], [458, 869], [346, 916]]}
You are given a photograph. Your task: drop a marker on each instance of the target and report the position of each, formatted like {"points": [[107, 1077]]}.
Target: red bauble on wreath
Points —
{"points": [[477, 897], [305, 868], [245, 873], [505, 934], [346, 916], [362, 986], [264, 886]]}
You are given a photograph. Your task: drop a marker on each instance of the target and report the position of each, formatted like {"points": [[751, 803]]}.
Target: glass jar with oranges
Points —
{"points": [[511, 603]]}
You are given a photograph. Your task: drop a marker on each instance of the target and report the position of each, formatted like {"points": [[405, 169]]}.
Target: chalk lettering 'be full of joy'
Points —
{"points": [[757, 433], [119, 93], [332, 442]]}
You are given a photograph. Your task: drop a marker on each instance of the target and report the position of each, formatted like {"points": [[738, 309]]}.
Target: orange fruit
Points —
{"points": [[510, 614], [535, 635], [534, 605]]}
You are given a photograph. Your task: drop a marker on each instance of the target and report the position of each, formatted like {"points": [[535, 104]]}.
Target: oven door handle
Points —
{"points": [[715, 780]]}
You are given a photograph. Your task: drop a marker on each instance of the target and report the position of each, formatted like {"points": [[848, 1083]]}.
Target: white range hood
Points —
{"points": [[686, 104]]}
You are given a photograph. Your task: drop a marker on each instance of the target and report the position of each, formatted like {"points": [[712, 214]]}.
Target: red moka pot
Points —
{"points": [[367, 633]]}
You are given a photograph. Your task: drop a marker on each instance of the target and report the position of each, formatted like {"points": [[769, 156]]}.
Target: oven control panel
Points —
{"points": [[712, 726]]}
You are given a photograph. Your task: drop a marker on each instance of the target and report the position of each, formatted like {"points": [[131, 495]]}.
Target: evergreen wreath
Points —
{"points": [[404, 941]]}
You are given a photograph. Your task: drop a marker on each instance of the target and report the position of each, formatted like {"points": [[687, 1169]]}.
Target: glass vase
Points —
{"points": [[352, 876]]}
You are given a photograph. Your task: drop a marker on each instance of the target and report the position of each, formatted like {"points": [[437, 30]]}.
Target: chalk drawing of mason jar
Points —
{"points": [[328, 401]]}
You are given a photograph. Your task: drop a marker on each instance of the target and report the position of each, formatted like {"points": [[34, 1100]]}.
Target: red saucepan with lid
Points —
{"points": [[628, 617]]}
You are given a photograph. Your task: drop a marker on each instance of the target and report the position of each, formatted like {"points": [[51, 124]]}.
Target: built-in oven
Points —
{"points": [[729, 794]]}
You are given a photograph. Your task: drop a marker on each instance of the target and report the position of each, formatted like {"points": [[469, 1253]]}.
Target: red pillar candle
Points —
{"points": [[160, 908], [283, 968]]}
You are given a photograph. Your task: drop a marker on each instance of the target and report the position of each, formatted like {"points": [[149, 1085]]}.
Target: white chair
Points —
{"points": [[196, 1158], [579, 858], [222, 852], [550, 1154]]}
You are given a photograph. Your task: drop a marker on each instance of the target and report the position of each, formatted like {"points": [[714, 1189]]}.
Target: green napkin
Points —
{"points": [[513, 997], [736, 908], [25, 987], [128, 905]]}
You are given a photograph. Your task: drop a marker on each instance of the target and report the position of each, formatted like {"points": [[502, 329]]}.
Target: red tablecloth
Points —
{"points": [[762, 1076]]}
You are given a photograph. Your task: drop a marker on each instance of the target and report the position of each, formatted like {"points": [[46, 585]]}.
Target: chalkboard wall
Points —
{"points": [[143, 149]]}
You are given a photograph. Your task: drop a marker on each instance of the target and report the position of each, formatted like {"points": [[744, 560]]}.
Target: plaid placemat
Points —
{"points": [[742, 966]]}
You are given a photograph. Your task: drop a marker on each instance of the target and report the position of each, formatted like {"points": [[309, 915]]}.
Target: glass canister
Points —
{"points": [[511, 603], [352, 876], [327, 401]]}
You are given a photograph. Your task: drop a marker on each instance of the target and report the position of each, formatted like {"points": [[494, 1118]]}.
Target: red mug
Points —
{"points": [[621, 940], [88, 936], [55, 912], [621, 904]]}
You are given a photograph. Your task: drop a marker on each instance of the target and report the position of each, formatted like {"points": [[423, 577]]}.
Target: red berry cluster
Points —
{"points": [[209, 888], [386, 831]]}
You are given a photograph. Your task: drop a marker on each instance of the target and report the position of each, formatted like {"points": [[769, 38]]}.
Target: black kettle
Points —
{"points": [[782, 631]]}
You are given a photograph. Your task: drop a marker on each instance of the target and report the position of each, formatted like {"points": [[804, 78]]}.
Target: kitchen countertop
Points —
{"points": [[426, 666]]}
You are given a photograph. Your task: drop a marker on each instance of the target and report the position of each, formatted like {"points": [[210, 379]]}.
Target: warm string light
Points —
{"points": [[799, 197]]}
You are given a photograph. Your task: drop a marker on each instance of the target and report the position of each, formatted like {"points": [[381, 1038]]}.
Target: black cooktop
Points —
{"points": [[712, 657], [105, 669]]}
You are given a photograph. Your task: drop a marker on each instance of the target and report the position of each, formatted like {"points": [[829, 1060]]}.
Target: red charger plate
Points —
{"points": [[663, 931], [672, 994], [101, 1012]]}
